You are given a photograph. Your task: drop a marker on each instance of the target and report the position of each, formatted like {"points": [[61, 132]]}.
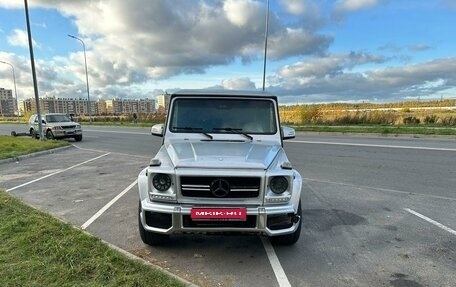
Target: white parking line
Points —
{"points": [[116, 153], [379, 189], [57, 172], [431, 221], [108, 205], [374, 145], [275, 263]]}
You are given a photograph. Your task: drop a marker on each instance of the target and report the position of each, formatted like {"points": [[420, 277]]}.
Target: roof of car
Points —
{"points": [[223, 93]]}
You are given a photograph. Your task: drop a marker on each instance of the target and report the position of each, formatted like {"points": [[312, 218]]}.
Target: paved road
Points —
{"points": [[378, 211]]}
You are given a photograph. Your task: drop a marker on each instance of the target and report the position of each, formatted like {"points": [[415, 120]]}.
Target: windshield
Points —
{"points": [[57, 118], [206, 115]]}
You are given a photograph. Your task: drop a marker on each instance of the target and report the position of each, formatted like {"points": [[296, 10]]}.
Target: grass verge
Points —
{"points": [[13, 147], [39, 250], [379, 129]]}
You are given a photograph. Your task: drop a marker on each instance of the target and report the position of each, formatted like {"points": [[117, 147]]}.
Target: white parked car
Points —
{"points": [[55, 126], [221, 168]]}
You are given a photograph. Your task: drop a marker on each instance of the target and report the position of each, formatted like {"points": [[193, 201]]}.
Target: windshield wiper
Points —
{"points": [[234, 131], [192, 129]]}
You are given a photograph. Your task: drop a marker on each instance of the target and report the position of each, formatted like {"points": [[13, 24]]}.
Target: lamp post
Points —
{"points": [[32, 63], [87, 75], [265, 45], [14, 80]]}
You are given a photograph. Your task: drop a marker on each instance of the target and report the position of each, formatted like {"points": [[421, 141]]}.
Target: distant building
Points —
{"points": [[7, 103], [163, 103], [126, 106], [99, 107], [59, 105]]}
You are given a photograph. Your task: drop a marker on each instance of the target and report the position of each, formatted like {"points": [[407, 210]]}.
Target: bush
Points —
{"points": [[309, 114], [411, 121]]}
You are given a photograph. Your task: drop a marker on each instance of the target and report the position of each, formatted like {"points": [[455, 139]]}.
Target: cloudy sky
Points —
{"points": [[318, 50]]}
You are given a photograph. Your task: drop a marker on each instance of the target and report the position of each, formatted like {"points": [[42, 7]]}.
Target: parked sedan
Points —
{"points": [[55, 126]]}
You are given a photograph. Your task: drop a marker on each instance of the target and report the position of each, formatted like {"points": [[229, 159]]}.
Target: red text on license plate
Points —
{"points": [[221, 213]]}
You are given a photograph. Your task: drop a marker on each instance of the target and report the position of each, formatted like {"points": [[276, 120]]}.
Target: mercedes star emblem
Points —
{"points": [[220, 187]]}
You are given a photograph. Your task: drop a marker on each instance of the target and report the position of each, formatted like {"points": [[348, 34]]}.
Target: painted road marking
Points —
{"points": [[57, 172], [379, 189], [116, 153], [438, 224], [108, 205], [275, 263], [374, 145], [116, 132]]}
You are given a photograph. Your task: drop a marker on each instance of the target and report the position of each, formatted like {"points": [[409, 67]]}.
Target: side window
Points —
{"points": [[36, 119]]}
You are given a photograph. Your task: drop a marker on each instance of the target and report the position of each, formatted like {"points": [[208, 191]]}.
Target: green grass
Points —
{"points": [[16, 146], [380, 129], [39, 250]]}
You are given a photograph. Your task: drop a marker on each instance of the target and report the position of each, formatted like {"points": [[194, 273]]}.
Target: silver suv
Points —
{"points": [[55, 126], [221, 168]]}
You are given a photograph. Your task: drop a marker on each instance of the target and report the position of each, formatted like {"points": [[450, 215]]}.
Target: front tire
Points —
{"points": [[34, 134], [78, 138], [149, 238], [292, 238], [49, 135]]}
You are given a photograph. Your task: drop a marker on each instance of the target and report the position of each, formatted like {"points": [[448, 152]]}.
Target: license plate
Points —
{"points": [[221, 213]]}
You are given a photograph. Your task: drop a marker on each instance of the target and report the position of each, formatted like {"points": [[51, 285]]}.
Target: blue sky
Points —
{"points": [[319, 51]]}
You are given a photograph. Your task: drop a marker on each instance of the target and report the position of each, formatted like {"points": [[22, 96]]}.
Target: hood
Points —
{"points": [[62, 124], [222, 154]]}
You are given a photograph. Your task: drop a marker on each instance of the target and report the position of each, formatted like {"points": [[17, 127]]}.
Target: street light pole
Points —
{"points": [[14, 80], [87, 75], [265, 45], [32, 62]]}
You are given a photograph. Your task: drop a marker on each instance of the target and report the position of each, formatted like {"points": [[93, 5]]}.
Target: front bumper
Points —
{"points": [[66, 133], [173, 219]]}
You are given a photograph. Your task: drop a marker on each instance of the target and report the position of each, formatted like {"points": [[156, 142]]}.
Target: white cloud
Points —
{"points": [[332, 78], [244, 12], [238, 84], [295, 7], [19, 38], [353, 5], [161, 39], [342, 7]]}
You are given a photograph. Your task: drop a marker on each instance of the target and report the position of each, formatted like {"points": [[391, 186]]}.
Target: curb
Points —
{"points": [[35, 154], [145, 262]]}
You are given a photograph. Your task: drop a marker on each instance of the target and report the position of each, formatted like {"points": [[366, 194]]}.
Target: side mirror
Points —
{"points": [[288, 133], [157, 130]]}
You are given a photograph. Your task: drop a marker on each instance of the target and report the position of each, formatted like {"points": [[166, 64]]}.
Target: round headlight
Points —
{"points": [[279, 184], [161, 182]]}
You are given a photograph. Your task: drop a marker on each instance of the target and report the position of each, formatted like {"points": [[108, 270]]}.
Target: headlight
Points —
{"points": [[161, 182], [57, 128], [279, 184], [78, 127]]}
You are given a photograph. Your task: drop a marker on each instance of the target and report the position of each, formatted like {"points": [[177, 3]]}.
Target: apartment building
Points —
{"points": [[126, 106], [163, 103], [99, 107], [7, 103]]}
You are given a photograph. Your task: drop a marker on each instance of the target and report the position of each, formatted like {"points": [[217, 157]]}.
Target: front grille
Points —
{"points": [[232, 187], [250, 222], [68, 127]]}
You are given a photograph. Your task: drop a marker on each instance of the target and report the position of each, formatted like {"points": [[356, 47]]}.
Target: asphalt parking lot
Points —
{"points": [[372, 216]]}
